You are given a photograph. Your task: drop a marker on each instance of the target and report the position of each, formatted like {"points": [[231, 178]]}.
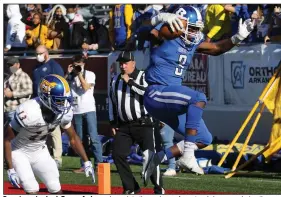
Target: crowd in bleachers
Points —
{"points": [[96, 28]]}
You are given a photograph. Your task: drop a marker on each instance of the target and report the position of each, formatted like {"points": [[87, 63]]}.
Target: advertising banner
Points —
{"points": [[247, 70], [196, 76]]}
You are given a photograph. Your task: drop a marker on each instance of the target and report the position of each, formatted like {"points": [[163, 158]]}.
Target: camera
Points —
{"points": [[77, 68]]}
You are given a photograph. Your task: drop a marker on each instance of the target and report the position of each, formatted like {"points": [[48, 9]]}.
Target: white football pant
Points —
{"points": [[40, 164]]}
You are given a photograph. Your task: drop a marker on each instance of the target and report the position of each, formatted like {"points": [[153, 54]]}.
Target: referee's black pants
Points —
{"points": [[126, 136]]}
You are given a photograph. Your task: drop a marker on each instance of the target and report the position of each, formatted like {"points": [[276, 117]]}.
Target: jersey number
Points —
{"points": [[117, 23], [37, 136], [180, 67]]}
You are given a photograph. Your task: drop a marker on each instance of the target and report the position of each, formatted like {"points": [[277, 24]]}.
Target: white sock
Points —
{"points": [[189, 148]]}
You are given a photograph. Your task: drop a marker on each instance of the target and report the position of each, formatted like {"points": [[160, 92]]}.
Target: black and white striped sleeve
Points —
{"points": [[139, 85]]}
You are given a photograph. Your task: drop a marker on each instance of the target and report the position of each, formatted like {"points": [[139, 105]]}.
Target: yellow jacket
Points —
{"points": [[217, 22], [43, 36]]}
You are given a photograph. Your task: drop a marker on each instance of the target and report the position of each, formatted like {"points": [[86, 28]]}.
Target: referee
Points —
{"points": [[130, 122]]}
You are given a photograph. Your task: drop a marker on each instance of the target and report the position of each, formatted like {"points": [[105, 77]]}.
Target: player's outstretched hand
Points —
{"points": [[172, 19], [244, 29], [13, 178], [89, 170]]}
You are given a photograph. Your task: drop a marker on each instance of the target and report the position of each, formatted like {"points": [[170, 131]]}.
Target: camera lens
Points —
{"points": [[77, 68]]}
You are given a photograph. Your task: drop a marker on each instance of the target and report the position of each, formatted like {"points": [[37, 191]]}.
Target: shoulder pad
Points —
{"points": [[29, 113]]}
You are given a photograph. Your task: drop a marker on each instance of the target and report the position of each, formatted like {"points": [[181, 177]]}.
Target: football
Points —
{"points": [[166, 32]]}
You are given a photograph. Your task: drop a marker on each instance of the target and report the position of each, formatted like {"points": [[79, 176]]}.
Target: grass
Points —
{"points": [[249, 183]]}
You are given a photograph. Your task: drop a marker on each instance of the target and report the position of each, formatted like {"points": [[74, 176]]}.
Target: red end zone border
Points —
{"points": [[93, 189]]}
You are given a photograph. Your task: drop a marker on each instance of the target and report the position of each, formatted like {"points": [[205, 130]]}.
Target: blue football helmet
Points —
{"points": [[55, 94], [192, 34]]}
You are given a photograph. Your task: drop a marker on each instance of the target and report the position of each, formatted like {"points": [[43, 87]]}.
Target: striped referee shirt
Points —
{"points": [[126, 99]]}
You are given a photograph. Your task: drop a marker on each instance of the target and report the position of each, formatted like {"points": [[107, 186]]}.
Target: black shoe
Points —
{"points": [[159, 190], [136, 191]]}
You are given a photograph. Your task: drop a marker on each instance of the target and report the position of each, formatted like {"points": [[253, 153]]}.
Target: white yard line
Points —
{"points": [[183, 178]]}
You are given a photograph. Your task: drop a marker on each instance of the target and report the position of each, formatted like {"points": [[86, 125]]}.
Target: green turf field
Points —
{"points": [[250, 183]]}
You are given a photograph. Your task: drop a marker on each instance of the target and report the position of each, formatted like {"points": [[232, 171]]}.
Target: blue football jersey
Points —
{"points": [[169, 61]]}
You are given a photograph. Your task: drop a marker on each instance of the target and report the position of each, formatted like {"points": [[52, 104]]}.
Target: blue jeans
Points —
{"points": [[167, 134], [91, 124]]}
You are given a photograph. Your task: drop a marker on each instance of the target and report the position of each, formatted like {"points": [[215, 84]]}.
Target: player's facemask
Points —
{"points": [[192, 34], [58, 104]]}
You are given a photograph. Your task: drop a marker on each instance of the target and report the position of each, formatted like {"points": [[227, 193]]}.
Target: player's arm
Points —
{"points": [[12, 174], [173, 20], [8, 136], [75, 142], [223, 46]]}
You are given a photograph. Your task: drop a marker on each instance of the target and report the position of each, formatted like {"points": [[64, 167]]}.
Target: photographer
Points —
{"points": [[82, 83]]}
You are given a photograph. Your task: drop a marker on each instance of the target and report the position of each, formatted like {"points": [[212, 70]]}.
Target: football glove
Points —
{"points": [[89, 170], [244, 29], [13, 178], [172, 19]]}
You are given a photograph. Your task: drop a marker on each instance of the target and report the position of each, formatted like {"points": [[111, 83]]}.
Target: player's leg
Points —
{"points": [[203, 138], [45, 168], [187, 148], [173, 105], [23, 168]]}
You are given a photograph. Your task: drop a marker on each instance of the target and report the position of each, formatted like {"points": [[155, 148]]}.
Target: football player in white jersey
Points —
{"points": [[25, 147]]}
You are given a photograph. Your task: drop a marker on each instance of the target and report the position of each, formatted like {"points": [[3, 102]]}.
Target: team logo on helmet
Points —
{"points": [[46, 86]]}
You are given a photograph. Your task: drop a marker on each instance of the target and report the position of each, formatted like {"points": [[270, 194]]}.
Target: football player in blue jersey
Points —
{"points": [[166, 98]]}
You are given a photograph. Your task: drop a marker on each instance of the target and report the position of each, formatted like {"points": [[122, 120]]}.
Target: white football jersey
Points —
{"points": [[32, 128]]}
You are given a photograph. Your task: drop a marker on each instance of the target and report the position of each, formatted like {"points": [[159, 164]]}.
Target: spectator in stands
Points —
{"points": [[87, 12], [82, 84], [27, 14], [38, 34], [16, 30], [202, 8], [78, 35], [169, 7], [167, 134], [46, 8], [217, 23], [120, 23], [99, 37], [141, 23], [274, 30], [17, 89], [58, 28], [47, 66]]}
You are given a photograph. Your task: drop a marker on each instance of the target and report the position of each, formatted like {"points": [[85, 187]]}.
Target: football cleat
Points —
{"points": [[190, 163]]}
